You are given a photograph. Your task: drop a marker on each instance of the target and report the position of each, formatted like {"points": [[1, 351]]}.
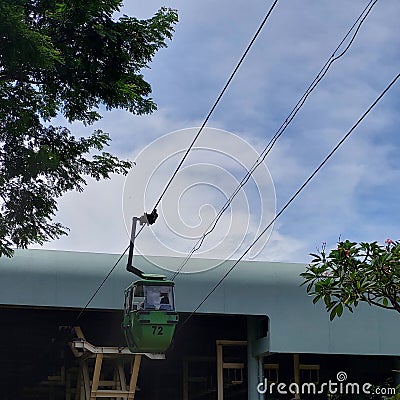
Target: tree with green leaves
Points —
{"points": [[64, 58], [354, 273]]}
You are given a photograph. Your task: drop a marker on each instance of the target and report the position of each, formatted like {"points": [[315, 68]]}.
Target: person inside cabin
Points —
{"points": [[164, 298], [164, 302]]}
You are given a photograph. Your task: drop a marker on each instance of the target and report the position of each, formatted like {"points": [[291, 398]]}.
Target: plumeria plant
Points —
{"points": [[354, 273]]}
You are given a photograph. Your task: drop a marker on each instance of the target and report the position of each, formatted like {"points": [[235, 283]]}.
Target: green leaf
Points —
{"points": [[332, 314], [385, 302], [316, 299], [339, 310], [327, 300]]}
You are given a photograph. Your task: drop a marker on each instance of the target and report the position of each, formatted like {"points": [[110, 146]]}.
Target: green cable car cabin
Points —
{"points": [[149, 310], [149, 314]]}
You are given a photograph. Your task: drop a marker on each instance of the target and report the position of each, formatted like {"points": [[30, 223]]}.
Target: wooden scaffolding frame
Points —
{"points": [[221, 365], [90, 386]]}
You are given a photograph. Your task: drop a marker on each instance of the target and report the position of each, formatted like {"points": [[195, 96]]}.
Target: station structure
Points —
{"points": [[258, 327]]}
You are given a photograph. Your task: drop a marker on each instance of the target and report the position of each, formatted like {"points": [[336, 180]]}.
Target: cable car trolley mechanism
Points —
{"points": [[149, 311]]}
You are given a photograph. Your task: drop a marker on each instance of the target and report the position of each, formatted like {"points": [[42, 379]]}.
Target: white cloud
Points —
{"points": [[348, 197], [94, 217]]}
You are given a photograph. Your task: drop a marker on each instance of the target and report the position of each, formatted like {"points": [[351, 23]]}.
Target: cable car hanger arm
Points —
{"points": [[148, 219]]}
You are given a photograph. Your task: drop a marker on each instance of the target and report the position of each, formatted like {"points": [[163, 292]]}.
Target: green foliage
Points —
{"points": [[64, 58], [397, 395], [354, 273]]}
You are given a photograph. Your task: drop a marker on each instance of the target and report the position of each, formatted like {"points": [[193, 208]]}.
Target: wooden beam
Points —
{"points": [[121, 375], [134, 376], [86, 379], [315, 367], [88, 347], [232, 342], [271, 366], [78, 332], [232, 365], [104, 393], [96, 375], [220, 371]]}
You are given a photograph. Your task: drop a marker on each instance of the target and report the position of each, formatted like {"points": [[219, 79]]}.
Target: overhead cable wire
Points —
{"points": [[266, 150], [295, 195], [106, 277], [360, 20], [216, 102], [192, 143], [101, 284]]}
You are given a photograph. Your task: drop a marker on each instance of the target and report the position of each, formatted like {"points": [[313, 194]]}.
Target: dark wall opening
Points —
{"points": [[33, 347]]}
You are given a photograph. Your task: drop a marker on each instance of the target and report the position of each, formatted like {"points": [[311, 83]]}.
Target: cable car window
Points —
{"points": [[128, 300], [138, 298], [127, 296], [159, 298]]}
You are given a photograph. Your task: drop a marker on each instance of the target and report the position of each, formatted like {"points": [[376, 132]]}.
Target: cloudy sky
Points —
{"points": [[355, 196]]}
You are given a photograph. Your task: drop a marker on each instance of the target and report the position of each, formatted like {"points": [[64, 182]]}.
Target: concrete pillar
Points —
{"points": [[255, 370]]}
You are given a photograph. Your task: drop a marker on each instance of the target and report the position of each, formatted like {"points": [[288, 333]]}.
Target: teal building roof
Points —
{"points": [[68, 279]]}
